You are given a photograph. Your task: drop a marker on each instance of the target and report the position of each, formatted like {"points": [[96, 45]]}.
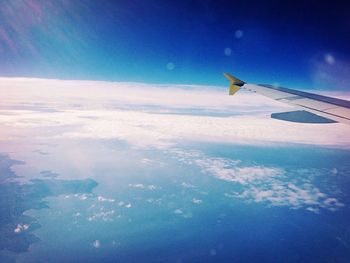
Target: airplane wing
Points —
{"points": [[312, 108]]}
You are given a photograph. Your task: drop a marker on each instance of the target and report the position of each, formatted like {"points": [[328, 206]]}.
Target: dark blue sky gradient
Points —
{"points": [[285, 42]]}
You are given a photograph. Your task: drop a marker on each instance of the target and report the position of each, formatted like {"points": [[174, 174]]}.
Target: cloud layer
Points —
{"points": [[146, 115]]}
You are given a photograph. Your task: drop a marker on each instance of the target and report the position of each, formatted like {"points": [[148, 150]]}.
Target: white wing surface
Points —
{"points": [[311, 108]]}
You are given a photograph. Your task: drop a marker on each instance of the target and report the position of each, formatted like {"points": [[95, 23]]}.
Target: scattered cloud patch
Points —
{"points": [[197, 201], [142, 186], [81, 197], [20, 228], [104, 199], [147, 161], [184, 214], [157, 201], [102, 215], [178, 211], [272, 186], [241, 175], [77, 214]]}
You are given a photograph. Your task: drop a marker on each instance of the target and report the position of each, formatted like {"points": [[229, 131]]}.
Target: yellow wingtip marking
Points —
{"points": [[235, 83], [233, 79], [233, 89]]}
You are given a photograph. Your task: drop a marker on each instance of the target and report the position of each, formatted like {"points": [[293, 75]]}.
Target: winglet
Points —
{"points": [[235, 84]]}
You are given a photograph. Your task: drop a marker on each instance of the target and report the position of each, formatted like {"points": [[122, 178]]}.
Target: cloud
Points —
{"points": [[20, 228], [142, 186], [178, 211], [104, 199], [183, 214], [146, 115], [197, 201], [157, 201], [242, 175], [301, 196], [77, 214], [161, 116], [102, 215], [147, 161], [80, 196], [273, 186]]}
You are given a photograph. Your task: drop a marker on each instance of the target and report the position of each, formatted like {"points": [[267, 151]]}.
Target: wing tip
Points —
{"points": [[233, 80]]}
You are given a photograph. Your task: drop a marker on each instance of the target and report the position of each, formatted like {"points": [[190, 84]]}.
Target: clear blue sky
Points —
{"points": [[294, 43]]}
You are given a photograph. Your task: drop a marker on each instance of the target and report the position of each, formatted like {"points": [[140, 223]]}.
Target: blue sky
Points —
{"points": [[293, 43]]}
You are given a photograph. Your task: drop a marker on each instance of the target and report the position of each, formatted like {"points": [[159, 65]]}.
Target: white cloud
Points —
{"points": [[21, 227], [270, 185], [197, 201], [76, 214], [242, 175], [152, 187], [178, 211], [104, 199], [142, 186], [83, 197], [160, 116], [183, 214], [17, 230], [147, 161], [147, 115], [157, 201], [102, 215]]}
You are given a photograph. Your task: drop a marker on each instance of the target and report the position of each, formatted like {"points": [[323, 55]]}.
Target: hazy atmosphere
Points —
{"points": [[119, 141]]}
